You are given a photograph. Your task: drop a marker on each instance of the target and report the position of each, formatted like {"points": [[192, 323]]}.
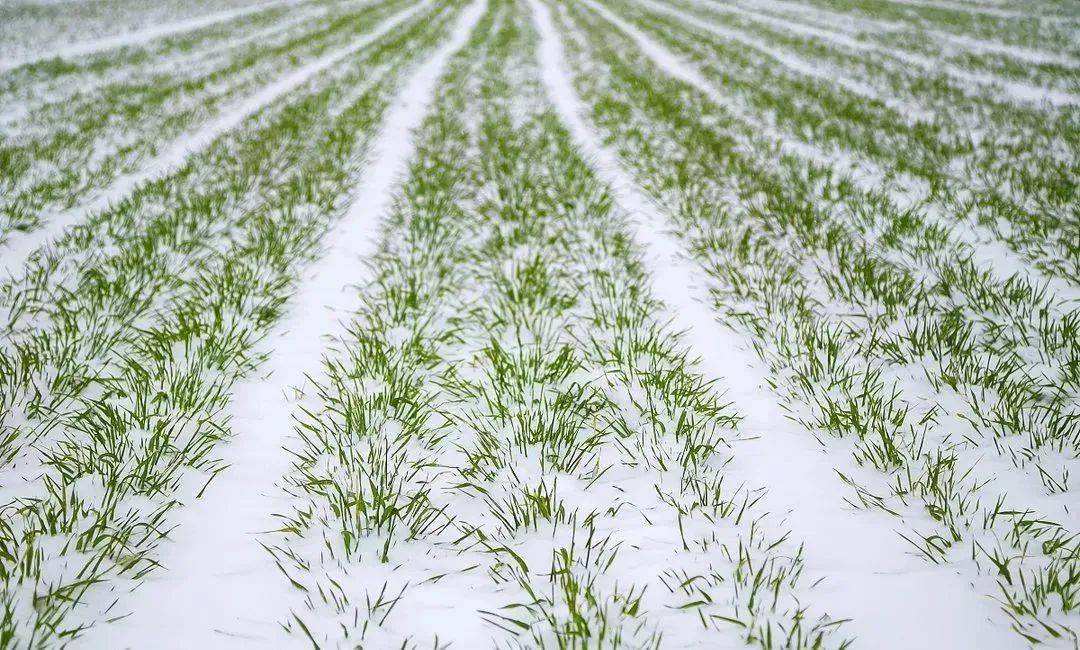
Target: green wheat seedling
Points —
{"points": [[139, 403], [42, 82], [111, 18], [78, 147], [1035, 28], [1016, 176], [920, 36], [506, 408], [509, 445], [823, 307]]}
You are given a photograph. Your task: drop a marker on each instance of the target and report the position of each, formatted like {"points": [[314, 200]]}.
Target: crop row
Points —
{"points": [[122, 340]]}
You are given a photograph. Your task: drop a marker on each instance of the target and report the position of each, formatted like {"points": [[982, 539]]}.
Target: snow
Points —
{"points": [[20, 247], [86, 48], [872, 576], [19, 108], [1016, 90], [974, 9], [220, 587], [862, 171], [906, 192], [857, 24], [792, 62]]}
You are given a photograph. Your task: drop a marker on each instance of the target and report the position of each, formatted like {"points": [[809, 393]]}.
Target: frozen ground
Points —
{"points": [[540, 323]]}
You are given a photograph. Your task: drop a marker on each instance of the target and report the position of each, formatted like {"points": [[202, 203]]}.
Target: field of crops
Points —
{"points": [[540, 324]]}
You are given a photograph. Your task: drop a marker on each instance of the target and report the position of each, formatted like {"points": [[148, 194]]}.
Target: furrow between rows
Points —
{"points": [[217, 581], [101, 438], [856, 554], [19, 248]]}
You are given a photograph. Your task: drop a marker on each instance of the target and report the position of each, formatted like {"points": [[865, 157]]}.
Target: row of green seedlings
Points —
{"points": [[507, 418], [927, 255], [84, 145], [25, 112], [106, 131], [952, 117], [1051, 71], [33, 84], [923, 377], [30, 30], [117, 370], [1039, 67], [1037, 27], [79, 257], [985, 57], [976, 159], [924, 254]]}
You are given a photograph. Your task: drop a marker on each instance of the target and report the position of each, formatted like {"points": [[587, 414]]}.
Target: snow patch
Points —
{"points": [[20, 248], [873, 576], [220, 586]]}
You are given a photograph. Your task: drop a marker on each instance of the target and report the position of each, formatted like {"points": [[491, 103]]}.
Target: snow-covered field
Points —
{"points": [[540, 324]]}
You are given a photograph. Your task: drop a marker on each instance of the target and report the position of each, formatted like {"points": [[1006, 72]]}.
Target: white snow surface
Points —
{"points": [[1017, 91], [867, 174], [85, 48], [974, 9], [220, 588], [20, 247], [872, 575], [791, 61], [854, 24]]}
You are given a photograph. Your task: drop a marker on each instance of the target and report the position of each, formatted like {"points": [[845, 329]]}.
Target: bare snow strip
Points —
{"points": [[143, 36], [220, 586], [873, 576], [864, 172], [1016, 90], [794, 63], [858, 24], [867, 174], [20, 248], [978, 9]]}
